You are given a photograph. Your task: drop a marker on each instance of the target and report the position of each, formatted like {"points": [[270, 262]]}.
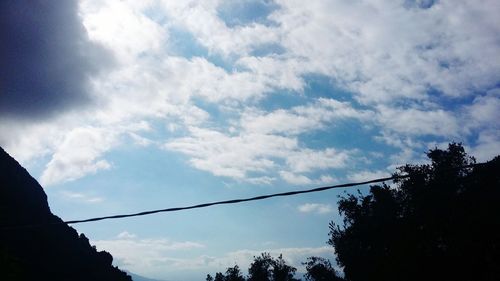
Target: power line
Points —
{"points": [[204, 205], [235, 201], [227, 202]]}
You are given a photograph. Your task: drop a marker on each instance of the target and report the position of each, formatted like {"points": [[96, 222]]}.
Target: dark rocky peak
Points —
{"points": [[37, 245], [21, 192]]}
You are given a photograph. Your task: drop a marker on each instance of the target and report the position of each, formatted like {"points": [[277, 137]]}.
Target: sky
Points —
{"points": [[125, 106]]}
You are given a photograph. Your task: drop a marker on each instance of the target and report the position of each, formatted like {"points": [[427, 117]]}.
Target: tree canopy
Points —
{"points": [[263, 268], [320, 269], [438, 224]]}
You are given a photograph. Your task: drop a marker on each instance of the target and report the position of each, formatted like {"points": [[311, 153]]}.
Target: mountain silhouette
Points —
{"points": [[34, 243]]}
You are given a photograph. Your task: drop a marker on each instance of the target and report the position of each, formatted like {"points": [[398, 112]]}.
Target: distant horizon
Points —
{"points": [[125, 106]]}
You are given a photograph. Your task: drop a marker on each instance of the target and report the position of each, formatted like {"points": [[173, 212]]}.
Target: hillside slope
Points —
{"points": [[34, 252]]}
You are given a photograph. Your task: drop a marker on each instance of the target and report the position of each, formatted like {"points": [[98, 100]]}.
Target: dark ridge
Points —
{"points": [[54, 252]]}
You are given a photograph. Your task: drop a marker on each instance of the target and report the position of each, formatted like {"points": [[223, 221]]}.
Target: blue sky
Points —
{"points": [[124, 106]]}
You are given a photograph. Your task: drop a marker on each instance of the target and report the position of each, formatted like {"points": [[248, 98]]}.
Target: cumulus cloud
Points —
{"points": [[411, 121], [487, 146], [321, 113], [295, 178], [402, 63], [364, 58], [300, 179], [231, 156], [306, 160], [123, 27], [236, 156], [78, 155], [201, 19], [263, 140], [361, 176], [315, 208], [238, 13], [126, 235], [47, 57], [156, 257], [29, 141], [483, 112], [384, 51], [144, 255]]}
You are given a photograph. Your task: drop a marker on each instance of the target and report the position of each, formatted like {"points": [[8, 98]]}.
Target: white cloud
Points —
{"points": [[387, 51], [166, 87], [126, 235], [306, 160], [326, 179], [283, 72], [279, 121], [142, 87], [199, 77], [236, 156], [256, 148], [201, 19], [411, 121], [301, 119], [122, 27], [231, 156], [141, 141], [299, 179], [295, 179], [361, 176], [27, 142], [79, 154], [145, 255], [484, 112], [410, 148], [315, 208], [260, 180], [487, 147], [82, 197], [156, 257], [388, 54]]}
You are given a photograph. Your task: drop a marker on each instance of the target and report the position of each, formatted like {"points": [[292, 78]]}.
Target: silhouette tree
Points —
{"points": [[219, 277], [267, 268], [263, 268], [281, 271], [260, 268], [320, 269], [234, 274], [435, 225]]}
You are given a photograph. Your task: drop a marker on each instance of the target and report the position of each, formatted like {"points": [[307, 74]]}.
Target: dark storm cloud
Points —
{"points": [[46, 58]]}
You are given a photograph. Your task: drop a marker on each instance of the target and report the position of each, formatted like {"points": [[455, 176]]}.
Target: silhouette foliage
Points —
{"points": [[260, 268], [263, 268], [439, 224], [282, 271], [234, 274], [320, 269], [219, 277]]}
